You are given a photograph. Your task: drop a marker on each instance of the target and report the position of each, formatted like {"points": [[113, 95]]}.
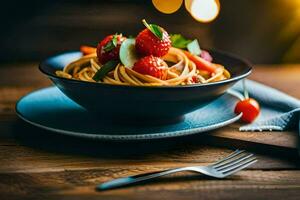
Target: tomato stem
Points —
{"points": [[246, 94]]}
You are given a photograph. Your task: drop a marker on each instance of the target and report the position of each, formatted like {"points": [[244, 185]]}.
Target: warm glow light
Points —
{"points": [[167, 6], [291, 31], [187, 4], [203, 10]]}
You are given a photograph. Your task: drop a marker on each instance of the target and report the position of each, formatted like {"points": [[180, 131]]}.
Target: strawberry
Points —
{"points": [[108, 48], [153, 40], [152, 66]]}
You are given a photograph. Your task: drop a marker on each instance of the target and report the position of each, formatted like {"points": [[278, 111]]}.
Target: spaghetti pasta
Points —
{"points": [[181, 71]]}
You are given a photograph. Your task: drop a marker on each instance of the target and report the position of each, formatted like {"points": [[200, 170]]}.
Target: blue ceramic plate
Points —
{"points": [[50, 109]]}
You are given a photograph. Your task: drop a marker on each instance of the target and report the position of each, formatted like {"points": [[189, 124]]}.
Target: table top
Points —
{"points": [[38, 165]]}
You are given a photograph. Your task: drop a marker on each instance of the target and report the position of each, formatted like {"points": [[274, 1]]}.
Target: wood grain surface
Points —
{"points": [[37, 164]]}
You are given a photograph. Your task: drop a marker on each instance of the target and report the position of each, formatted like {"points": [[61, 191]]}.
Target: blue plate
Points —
{"points": [[50, 109]]}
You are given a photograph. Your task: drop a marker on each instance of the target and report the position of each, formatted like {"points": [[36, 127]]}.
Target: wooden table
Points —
{"points": [[36, 164]]}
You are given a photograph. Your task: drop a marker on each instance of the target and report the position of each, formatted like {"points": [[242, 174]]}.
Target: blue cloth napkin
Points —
{"points": [[279, 111]]}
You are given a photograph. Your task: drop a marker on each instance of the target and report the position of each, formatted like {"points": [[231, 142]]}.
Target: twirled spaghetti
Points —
{"points": [[182, 71]]}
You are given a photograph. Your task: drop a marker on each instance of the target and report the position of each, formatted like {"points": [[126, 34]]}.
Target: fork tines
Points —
{"points": [[236, 161]]}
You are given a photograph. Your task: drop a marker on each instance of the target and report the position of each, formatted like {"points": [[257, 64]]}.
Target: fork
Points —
{"points": [[229, 165]]}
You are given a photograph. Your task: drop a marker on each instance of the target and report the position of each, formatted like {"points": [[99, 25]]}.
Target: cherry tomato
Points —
{"points": [[250, 109], [86, 50]]}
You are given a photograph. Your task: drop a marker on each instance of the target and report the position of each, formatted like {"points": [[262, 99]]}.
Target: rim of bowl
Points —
{"points": [[224, 53]]}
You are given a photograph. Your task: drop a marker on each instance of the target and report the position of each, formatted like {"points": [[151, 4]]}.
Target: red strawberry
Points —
{"points": [[108, 48], [149, 44], [152, 66]]}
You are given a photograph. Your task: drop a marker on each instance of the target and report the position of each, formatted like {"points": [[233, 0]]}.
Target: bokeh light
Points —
{"points": [[203, 10], [167, 6]]}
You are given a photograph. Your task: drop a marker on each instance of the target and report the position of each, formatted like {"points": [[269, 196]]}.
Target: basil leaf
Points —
{"points": [[107, 67], [155, 29], [111, 44], [194, 47], [179, 41]]}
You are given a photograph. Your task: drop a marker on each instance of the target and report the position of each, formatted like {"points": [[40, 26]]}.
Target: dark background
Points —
{"points": [[264, 31]]}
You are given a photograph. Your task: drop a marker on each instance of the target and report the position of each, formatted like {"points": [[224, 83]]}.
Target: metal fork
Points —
{"points": [[229, 165]]}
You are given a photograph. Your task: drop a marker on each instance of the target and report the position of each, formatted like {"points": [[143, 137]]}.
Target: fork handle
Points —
{"points": [[119, 182]]}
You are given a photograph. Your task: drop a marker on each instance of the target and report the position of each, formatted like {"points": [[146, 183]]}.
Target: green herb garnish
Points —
{"points": [[194, 47], [107, 67], [111, 44], [179, 41], [155, 29]]}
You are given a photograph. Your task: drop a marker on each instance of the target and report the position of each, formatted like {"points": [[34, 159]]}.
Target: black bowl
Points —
{"points": [[163, 103]]}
